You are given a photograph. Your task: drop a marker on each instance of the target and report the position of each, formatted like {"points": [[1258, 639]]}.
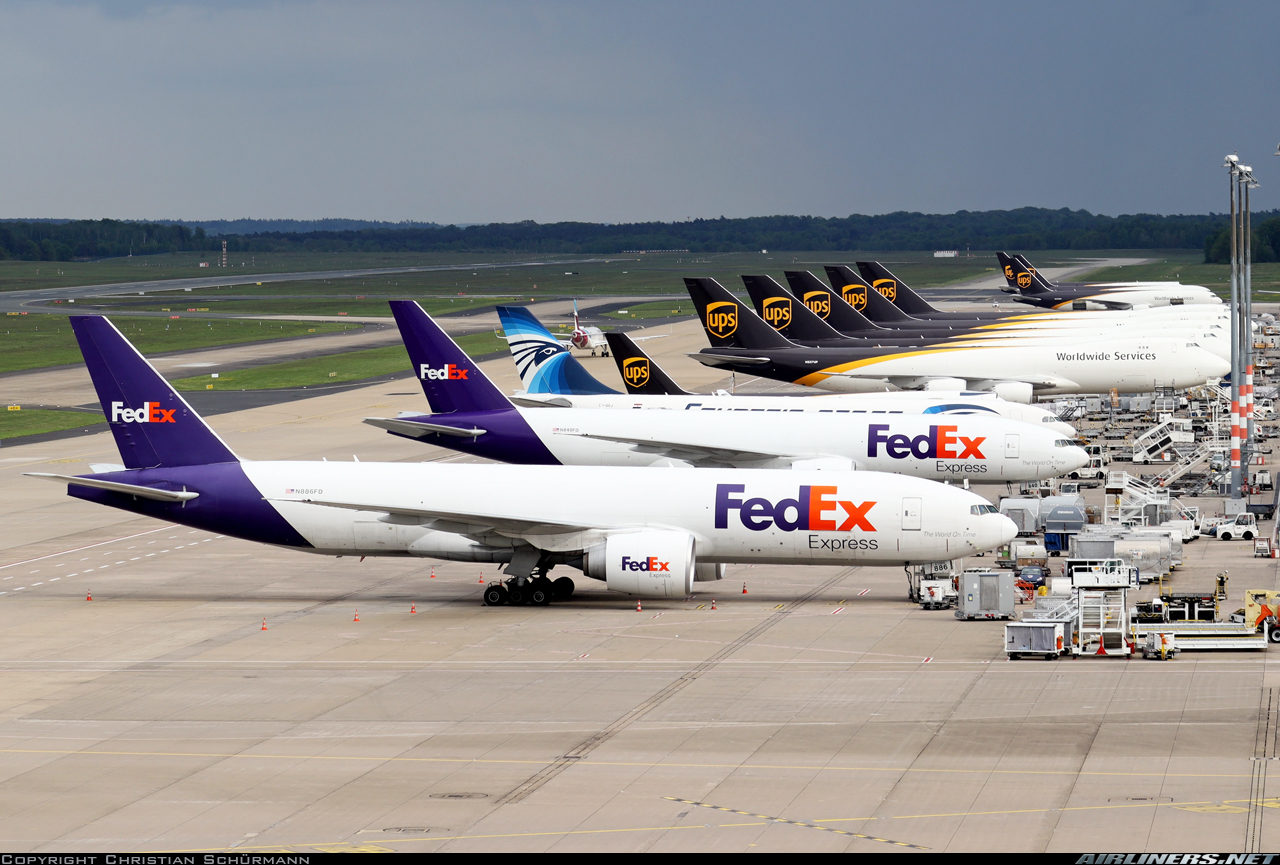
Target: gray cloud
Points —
{"points": [[475, 112]]}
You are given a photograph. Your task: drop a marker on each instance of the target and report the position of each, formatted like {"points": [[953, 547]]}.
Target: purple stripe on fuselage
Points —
{"points": [[229, 503], [508, 437]]}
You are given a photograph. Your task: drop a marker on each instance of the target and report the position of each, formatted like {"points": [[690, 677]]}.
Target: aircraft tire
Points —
{"points": [[517, 597], [540, 597], [495, 596]]}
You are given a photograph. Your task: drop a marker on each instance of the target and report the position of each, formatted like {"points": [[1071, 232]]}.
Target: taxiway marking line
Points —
{"points": [[612, 763], [797, 823], [89, 547], [285, 847]]}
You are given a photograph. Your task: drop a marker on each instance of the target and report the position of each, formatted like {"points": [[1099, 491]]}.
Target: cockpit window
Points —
{"points": [[979, 510], [1064, 443]]}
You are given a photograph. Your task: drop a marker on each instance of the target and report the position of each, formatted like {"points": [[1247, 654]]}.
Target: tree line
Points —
{"points": [[1024, 229]]}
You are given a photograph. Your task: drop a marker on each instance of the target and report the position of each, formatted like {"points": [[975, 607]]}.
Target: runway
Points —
{"points": [[817, 712]]}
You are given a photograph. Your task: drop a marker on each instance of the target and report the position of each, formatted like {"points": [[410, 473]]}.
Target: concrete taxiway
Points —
{"points": [[817, 712]]}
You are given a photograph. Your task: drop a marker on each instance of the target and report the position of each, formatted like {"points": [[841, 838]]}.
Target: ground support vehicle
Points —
{"points": [[1046, 639]]}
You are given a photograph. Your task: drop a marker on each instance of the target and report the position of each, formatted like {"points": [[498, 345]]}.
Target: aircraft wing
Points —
{"points": [[418, 429], [141, 492], [690, 451], [457, 521]]}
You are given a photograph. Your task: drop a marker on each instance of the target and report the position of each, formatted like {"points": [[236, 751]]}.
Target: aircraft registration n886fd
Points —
{"points": [[655, 534], [470, 414]]}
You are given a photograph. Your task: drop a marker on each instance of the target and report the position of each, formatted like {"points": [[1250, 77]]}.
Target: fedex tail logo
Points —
{"points": [[650, 564], [448, 371], [149, 413], [815, 509], [941, 443]]}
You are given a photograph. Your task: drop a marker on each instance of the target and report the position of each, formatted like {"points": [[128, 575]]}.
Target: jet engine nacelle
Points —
{"points": [[656, 564], [946, 384], [705, 572], [1013, 391]]}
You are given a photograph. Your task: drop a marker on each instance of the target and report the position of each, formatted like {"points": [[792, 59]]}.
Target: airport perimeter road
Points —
{"points": [[819, 712], [13, 301]]}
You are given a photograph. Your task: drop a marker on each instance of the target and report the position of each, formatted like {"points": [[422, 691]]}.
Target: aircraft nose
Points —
{"points": [[1007, 528], [1075, 457], [1214, 366]]}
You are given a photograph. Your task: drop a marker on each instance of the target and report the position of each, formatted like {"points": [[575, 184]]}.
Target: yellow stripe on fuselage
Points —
{"points": [[819, 375]]}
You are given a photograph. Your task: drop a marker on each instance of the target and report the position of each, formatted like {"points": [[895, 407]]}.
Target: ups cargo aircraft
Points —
{"points": [[743, 342], [553, 377], [470, 414], [1033, 288], [655, 534], [802, 322]]}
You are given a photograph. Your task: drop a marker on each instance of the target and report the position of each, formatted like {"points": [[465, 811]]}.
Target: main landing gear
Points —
{"points": [[537, 590]]}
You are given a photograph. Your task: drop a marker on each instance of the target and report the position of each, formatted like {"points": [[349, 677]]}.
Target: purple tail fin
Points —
{"points": [[153, 425], [452, 381]]}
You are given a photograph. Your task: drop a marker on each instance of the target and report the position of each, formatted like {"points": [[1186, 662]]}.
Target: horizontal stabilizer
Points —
{"points": [[418, 429], [141, 492]]}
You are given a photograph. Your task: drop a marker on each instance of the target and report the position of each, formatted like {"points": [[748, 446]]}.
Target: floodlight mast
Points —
{"points": [[1230, 163], [1247, 344]]}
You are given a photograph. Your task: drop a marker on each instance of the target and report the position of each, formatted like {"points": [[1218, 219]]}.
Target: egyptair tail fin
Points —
{"points": [[545, 363]]}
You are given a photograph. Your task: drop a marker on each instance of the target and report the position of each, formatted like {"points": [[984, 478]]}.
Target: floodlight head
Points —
{"points": [[1232, 159]]}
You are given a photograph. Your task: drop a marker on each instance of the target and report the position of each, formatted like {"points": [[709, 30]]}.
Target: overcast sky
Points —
{"points": [[613, 111]]}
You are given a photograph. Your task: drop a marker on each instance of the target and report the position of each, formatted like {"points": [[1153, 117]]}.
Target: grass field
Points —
{"points": [[569, 275], [31, 341], [1190, 269], [296, 305], [657, 309], [15, 275], [34, 421], [331, 369]]}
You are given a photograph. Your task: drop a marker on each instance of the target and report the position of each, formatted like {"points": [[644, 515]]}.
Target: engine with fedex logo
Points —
{"points": [[652, 564]]}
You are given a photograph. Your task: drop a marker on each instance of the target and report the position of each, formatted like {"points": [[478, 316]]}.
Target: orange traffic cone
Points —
{"points": [[482, 578], [638, 610], [413, 608], [357, 618], [264, 624], [89, 597], [744, 588], [713, 603], [433, 573]]}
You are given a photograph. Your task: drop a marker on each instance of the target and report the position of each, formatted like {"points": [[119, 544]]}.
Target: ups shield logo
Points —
{"points": [[777, 311], [1008, 271], [636, 371], [819, 302], [1024, 280], [722, 318], [887, 287], [855, 296]]}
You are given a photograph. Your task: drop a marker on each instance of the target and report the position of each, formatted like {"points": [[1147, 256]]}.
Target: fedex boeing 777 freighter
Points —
{"points": [[655, 534], [470, 414]]}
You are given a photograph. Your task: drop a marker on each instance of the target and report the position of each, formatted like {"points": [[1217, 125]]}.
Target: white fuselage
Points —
{"points": [[980, 448], [934, 403], [794, 517], [1129, 366]]}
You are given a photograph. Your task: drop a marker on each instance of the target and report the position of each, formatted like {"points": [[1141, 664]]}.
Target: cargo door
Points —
{"points": [[911, 515], [1011, 446], [989, 592]]}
